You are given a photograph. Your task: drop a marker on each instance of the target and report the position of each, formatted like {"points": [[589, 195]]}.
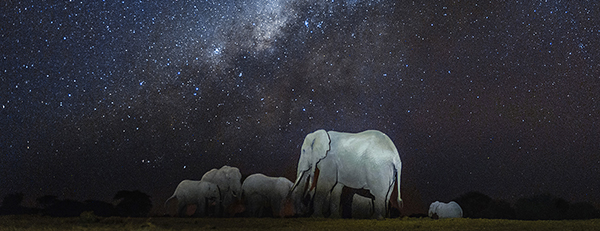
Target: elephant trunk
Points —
{"points": [[170, 198]]}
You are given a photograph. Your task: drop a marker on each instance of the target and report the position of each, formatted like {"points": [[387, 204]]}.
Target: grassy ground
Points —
{"points": [[165, 223]]}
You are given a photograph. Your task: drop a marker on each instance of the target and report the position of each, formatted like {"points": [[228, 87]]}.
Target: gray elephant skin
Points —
{"points": [[366, 160], [443, 210], [204, 195], [265, 196], [229, 181]]}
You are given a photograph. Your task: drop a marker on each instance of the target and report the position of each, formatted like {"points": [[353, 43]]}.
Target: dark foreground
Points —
{"points": [[166, 223]]}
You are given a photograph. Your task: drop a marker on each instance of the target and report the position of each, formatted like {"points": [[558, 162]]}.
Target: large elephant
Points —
{"points": [[445, 210], [265, 196], [204, 195], [229, 181], [366, 160]]}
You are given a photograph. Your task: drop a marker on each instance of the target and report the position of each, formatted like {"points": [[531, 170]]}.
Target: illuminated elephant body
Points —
{"points": [[445, 210], [366, 160], [204, 195], [265, 196]]}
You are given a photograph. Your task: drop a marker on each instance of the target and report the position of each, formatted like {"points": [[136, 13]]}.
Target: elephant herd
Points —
{"points": [[332, 164]]}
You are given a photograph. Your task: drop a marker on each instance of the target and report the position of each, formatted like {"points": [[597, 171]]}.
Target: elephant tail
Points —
{"points": [[398, 170]]}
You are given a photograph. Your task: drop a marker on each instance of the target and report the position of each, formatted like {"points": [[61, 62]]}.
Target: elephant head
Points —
{"points": [[314, 149], [229, 181], [233, 176], [433, 209]]}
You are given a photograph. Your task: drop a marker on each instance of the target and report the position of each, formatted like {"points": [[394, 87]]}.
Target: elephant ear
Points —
{"points": [[314, 149], [320, 146]]}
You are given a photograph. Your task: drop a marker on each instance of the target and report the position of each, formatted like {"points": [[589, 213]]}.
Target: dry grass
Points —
{"points": [[165, 223]]}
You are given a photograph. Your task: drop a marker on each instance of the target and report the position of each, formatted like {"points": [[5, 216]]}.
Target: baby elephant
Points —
{"points": [[265, 196], [445, 210], [204, 195]]}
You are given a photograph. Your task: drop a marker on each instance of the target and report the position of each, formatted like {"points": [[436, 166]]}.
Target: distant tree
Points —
{"points": [[498, 209], [581, 211], [46, 201], [541, 207], [133, 203], [65, 208], [11, 204], [473, 204], [13, 200], [52, 206], [100, 208]]}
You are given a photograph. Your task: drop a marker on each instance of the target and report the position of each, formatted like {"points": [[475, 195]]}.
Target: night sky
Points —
{"points": [[499, 97]]}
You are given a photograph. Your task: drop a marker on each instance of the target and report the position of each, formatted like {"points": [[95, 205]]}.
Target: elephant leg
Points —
{"points": [[215, 207], [262, 207], [257, 205], [379, 204], [201, 208], [318, 202], [378, 208], [380, 183], [275, 208], [225, 204], [181, 209], [327, 180], [336, 201], [323, 200], [255, 210]]}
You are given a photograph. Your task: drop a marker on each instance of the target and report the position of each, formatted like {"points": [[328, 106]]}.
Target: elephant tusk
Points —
{"points": [[296, 183], [315, 179]]}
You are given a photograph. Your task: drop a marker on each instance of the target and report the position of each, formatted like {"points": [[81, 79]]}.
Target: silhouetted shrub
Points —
{"points": [[473, 204], [133, 203], [100, 208], [581, 211], [498, 209], [46, 201], [12, 200], [541, 207], [11, 204], [65, 208]]}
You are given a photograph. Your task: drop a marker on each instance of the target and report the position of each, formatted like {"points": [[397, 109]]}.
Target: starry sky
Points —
{"points": [[499, 97]]}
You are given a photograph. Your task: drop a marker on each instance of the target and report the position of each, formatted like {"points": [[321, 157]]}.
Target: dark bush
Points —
{"points": [[100, 208], [65, 208], [133, 203], [541, 207], [498, 209], [46, 201], [11, 204], [581, 211], [473, 204], [12, 200]]}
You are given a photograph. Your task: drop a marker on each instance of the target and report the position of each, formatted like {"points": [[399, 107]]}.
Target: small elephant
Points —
{"points": [[366, 160], [204, 195], [229, 181], [445, 210], [260, 193]]}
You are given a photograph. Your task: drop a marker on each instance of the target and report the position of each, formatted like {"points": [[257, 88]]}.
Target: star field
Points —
{"points": [[498, 97]]}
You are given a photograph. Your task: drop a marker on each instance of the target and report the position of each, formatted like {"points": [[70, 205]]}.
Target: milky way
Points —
{"points": [[107, 95]]}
